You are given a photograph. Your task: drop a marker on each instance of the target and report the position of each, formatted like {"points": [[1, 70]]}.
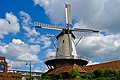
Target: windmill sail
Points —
{"points": [[47, 26], [68, 14], [85, 32]]}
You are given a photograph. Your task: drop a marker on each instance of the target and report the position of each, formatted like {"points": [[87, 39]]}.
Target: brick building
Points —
{"points": [[113, 65], [4, 74]]}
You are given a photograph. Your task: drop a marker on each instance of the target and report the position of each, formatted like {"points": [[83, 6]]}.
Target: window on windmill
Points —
{"points": [[57, 49], [63, 41]]}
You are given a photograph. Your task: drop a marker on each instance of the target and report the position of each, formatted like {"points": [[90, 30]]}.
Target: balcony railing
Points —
{"points": [[66, 57]]}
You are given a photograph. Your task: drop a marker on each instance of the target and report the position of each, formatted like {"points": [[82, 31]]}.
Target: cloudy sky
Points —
{"points": [[20, 42]]}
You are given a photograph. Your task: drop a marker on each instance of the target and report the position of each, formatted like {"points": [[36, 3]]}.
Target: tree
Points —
{"points": [[45, 77], [73, 73], [88, 75], [98, 73], [58, 76]]}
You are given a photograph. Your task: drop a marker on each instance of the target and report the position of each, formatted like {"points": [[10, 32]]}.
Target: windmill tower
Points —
{"points": [[66, 54]]}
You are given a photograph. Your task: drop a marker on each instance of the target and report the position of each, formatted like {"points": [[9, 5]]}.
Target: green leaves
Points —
{"points": [[98, 74], [73, 73]]}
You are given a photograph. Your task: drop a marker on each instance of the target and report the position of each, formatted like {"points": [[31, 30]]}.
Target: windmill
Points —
{"points": [[66, 53]]}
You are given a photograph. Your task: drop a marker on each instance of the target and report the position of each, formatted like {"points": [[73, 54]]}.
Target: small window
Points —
{"points": [[57, 49], [63, 41]]}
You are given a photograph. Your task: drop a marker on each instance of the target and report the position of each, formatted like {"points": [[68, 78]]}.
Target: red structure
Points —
{"points": [[4, 74], [113, 65], [3, 64]]}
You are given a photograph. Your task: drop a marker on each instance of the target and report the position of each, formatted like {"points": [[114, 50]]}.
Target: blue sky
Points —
{"points": [[36, 13], [21, 42]]}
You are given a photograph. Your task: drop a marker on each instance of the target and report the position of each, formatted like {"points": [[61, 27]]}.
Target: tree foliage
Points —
{"points": [[58, 76], [45, 77], [98, 74], [101, 74], [73, 73]]}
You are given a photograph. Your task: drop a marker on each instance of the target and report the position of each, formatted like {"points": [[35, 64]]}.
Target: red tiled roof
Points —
{"points": [[113, 65], [65, 69]]}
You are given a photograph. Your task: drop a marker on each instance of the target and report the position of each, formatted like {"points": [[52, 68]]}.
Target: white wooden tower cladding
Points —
{"points": [[66, 46]]}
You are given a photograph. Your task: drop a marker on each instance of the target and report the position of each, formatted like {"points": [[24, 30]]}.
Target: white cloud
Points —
{"points": [[46, 41], [55, 13], [26, 25], [50, 53], [37, 69], [100, 14], [9, 25], [92, 63], [15, 64], [43, 40], [17, 50], [104, 48]]}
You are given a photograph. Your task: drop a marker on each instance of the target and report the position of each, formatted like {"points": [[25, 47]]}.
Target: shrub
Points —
{"points": [[45, 77], [58, 76], [98, 73]]}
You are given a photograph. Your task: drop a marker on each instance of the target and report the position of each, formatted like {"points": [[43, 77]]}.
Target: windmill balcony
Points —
{"points": [[53, 62], [66, 57]]}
